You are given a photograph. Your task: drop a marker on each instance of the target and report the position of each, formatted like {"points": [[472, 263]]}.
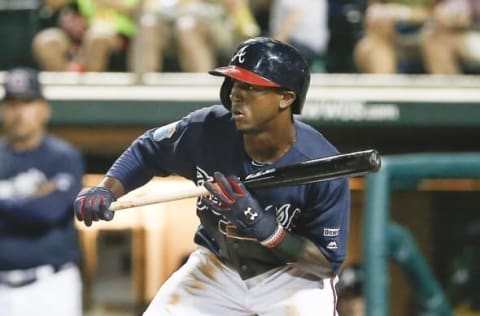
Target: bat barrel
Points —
{"points": [[348, 165]]}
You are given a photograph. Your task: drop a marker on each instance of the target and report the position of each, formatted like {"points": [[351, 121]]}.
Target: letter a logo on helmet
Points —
{"points": [[266, 62], [240, 55]]}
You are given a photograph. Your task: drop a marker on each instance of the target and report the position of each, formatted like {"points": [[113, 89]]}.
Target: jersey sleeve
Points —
{"points": [[327, 223], [170, 149], [47, 210]]}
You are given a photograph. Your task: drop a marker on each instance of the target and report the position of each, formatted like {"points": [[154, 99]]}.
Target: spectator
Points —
{"points": [[202, 30], [39, 178], [392, 35], [452, 41], [351, 301], [303, 24], [89, 33], [59, 48]]}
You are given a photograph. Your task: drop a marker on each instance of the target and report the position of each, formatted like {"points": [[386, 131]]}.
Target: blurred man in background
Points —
{"points": [[303, 24], [452, 40], [39, 178]]}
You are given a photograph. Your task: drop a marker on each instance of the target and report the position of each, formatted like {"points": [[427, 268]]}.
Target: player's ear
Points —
{"points": [[287, 99]]}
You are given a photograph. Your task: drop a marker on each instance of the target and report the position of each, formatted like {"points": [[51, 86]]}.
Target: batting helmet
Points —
{"points": [[266, 62]]}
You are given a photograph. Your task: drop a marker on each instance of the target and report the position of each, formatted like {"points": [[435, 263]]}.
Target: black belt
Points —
{"points": [[19, 278]]}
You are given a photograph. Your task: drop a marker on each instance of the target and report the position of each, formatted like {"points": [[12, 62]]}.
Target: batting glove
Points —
{"points": [[92, 205], [237, 205]]}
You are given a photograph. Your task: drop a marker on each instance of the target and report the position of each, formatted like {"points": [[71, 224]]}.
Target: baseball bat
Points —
{"points": [[322, 169]]}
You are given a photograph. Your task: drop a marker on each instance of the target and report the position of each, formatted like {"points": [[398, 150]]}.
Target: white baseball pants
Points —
{"points": [[56, 294], [205, 286]]}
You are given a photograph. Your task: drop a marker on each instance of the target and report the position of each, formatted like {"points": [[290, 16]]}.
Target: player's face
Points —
{"points": [[255, 108], [24, 119]]}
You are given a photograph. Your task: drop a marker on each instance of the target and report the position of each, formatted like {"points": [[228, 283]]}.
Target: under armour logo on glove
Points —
{"points": [[248, 212], [238, 206]]}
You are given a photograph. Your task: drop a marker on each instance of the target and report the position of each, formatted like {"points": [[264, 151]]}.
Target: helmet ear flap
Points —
{"points": [[225, 91]]}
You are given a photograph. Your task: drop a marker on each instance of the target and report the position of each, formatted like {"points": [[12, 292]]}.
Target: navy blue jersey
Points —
{"points": [[38, 229], [207, 141]]}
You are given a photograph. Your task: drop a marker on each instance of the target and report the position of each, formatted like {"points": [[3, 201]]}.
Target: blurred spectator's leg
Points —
{"points": [[442, 50], [152, 36], [375, 52], [50, 48], [196, 50], [99, 42]]}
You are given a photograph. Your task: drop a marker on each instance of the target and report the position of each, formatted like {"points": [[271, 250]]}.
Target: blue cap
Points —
{"points": [[22, 83]]}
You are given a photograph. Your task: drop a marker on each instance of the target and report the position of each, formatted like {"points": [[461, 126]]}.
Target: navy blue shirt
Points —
{"points": [[38, 229], [207, 141]]}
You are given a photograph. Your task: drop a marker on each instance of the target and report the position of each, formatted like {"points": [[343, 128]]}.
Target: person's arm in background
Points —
{"points": [[288, 27], [241, 14], [380, 13], [50, 203], [285, 29], [453, 14]]}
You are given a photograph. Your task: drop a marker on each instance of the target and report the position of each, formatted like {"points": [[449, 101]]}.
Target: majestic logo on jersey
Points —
{"points": [[165, 132], [240, 55], [332, 245]]}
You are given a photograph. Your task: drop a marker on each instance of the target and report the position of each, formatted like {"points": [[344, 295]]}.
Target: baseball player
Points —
{"points": [[266, 252], [40, 176]]}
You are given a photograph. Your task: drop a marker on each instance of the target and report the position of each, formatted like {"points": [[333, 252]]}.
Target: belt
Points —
{"points": [[19, 278]]}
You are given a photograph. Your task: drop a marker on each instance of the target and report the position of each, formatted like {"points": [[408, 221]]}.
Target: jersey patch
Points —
{"points": [[165, 131]]}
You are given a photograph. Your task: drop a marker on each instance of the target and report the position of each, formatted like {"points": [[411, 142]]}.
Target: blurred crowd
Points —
{"points": [[366, 36]]}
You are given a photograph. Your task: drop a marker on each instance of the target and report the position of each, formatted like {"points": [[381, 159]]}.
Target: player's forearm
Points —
{"points": [[302, 252], [114, 185], [127, 173]]}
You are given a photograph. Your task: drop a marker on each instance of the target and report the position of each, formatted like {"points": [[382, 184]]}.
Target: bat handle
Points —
{"points": [[166, 197]]}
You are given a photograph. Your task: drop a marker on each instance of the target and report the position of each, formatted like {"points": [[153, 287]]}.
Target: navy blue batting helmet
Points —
{"points": [[266, 62]]}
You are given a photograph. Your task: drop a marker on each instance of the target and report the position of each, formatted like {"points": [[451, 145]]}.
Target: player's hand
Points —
{"points": [[92, 205], [236, 204]]}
